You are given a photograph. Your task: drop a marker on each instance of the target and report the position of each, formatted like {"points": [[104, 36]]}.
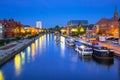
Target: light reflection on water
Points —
{"points": [[57, 60], [28, 53], [23, 58], [17, 63], [62, 43], [1, 75], [33, 51]]}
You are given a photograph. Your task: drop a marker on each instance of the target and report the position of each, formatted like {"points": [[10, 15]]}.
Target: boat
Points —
{"points": [[83, 50], [69, 42], [101, 52], [57, 38]]}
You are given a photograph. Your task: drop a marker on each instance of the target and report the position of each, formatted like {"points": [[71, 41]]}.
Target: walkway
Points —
{"points": [[109, 44]]}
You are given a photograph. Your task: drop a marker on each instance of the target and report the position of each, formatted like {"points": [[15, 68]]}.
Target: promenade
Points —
{"points": [[115, 47], [10, 50]]}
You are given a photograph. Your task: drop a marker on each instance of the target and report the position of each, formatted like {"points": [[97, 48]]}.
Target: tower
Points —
{"points": [[116, 14], [39, 24]]}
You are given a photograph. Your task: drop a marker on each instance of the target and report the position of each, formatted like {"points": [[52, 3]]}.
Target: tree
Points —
{"points": [[57, 28], [81, 30]]}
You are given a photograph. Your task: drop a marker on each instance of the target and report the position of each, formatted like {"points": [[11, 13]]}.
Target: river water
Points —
{"points": [[46, 59]]}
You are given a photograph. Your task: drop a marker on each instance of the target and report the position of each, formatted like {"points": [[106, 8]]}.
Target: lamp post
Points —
{"points": [[119, 29]]}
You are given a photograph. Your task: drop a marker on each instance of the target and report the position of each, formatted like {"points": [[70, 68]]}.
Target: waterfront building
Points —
{"points": [[39, 24], [11, 28], [32, 30], [74, 23], [108, 26]]}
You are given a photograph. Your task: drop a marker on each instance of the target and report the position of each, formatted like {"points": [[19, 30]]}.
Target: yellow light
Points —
{"points": [[74, 30], [23, 57], [28, 53], [17, 62], [63, 30], [82, 46], [36, 43], [1, 75], [62, 39], [33, 50], [82, 29]]}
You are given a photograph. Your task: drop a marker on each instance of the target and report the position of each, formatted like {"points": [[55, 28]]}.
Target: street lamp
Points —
{"points": [[119, 29]]}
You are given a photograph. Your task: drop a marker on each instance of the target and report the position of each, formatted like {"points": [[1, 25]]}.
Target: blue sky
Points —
{"points": [[57, 12]]}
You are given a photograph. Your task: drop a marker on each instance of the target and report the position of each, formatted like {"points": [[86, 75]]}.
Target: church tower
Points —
{"points": [[116, 17]]}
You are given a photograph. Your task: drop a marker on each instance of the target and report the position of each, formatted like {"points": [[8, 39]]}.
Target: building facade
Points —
{"points": [[74, 23], [11, 28], [39, 24], [108, 26]]}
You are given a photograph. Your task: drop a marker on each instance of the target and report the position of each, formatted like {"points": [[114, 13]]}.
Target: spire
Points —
{"points": [[116, 13]]}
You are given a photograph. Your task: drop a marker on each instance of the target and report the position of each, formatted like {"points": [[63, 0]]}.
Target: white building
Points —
{"points": [[39, 24], [1, 31]]}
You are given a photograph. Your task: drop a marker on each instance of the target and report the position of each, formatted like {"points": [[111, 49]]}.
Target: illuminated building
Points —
{"points": [[32, 30], [39, 24], [9, 27], [107, 26], [74, 23]]}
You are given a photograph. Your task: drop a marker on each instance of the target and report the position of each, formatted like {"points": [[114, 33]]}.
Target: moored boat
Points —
{"points": [[69, 42], [83, 50], [101, 52]]}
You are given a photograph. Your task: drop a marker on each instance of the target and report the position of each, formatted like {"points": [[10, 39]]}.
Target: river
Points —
{"points": [[46, 59]]}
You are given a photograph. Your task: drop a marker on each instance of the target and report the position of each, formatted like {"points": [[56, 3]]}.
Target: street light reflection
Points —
{"points": [[62, 39], [1, 75], [48, 37], [17, 63], [33, 50], [28, 53], [23, 57], [36, 43]]}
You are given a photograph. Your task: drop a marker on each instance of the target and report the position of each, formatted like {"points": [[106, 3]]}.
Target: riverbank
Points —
{"points": [[9, 51], [116, 47]]}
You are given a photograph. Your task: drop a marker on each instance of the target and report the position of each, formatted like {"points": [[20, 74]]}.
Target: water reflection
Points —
{"points": [[104, 62], [17, 63], [48, 38], [74, 58], [71, 63], [62, 44], [86, 59], [40, 45], [44, 41], [1, 75], [33, 51], [23, 58], [36, 44], [28, 53]]}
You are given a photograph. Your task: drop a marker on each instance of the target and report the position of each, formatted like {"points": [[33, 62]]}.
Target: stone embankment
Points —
{"points": [[9, 51]]}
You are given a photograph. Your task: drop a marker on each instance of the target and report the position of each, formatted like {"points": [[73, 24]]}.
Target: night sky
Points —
{"points": [[57, 12]]}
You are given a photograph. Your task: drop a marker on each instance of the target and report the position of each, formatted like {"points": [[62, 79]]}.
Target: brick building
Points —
{"points": [[11, 28], [108, 26]]}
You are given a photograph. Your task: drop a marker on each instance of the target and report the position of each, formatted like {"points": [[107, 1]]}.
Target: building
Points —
{"points": [[108, 26], [39, 24], [1, 31], [74, 23], [11, 28]]}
